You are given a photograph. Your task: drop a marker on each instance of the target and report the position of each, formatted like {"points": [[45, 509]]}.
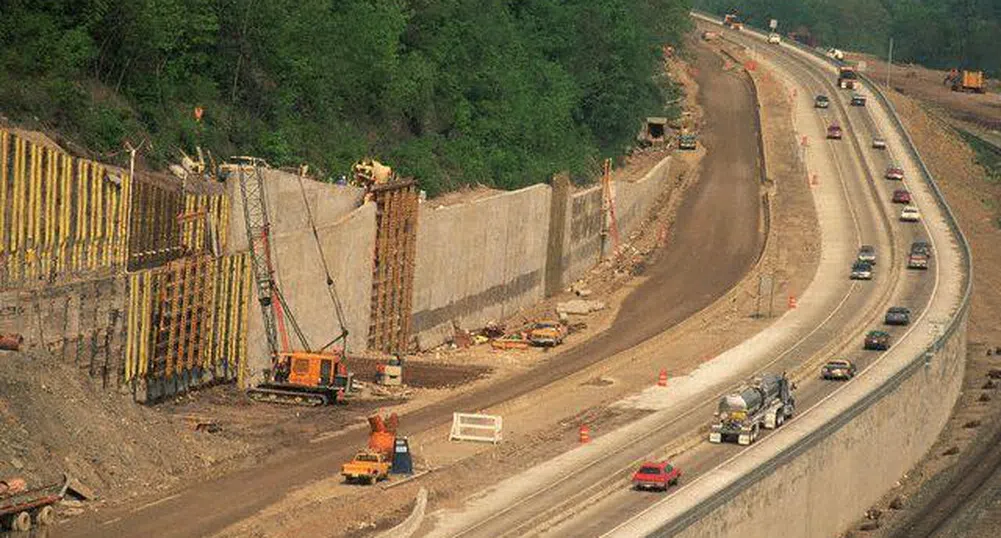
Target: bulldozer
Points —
{"points": [[965, 81]]}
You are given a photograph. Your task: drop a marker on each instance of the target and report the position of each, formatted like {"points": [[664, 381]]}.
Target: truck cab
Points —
{"points": [[367, 467], [764, 402], [847, 77]]}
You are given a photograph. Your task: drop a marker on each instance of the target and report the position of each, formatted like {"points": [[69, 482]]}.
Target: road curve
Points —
{"points": [[852, 213]]}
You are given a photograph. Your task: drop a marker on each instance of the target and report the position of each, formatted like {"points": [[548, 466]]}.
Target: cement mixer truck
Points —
{"points": [[764, 402]]}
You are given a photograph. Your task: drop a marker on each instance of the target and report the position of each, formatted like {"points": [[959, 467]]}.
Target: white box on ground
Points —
{"points": [[475, 427]]}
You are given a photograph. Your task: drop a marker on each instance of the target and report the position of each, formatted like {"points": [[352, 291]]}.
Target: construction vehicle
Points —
{"points": [[847, 77], [367, 467], [368, 173], [764, 402], [304, 378], [20, 506], [374, 462], [731, 21], [547, 333], [390, 374], [301, 376], [965, 81], [836, 54], [687, 142]]}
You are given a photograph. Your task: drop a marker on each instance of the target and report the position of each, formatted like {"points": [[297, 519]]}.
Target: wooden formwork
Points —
{"points": [[186, 323], [59, 215], [393, 266]]}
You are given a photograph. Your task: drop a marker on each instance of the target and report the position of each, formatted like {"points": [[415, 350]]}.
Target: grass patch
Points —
{"points": [[987, 156]]}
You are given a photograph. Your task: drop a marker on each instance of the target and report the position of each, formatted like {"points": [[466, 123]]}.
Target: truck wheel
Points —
{"points": [[780, 418], [46, 515], [21, 522]]}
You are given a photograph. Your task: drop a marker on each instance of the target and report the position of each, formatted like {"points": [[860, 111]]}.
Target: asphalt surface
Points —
{"points": [[715, 240], [599, 514], [598, 497]]}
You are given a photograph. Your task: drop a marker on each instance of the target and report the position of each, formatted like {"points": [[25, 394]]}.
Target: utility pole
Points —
{"points": [[889, 64]]}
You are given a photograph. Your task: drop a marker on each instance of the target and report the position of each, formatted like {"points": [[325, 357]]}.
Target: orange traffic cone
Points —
{"points": [[792, 302], [662, 379], [585, 434]]}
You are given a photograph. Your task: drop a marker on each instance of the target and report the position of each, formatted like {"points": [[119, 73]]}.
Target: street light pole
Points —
{"points": [[889, 64]]}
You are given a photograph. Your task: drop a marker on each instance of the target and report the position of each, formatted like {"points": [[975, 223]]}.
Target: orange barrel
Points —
{"points": [[585, 434], [662, 378]]}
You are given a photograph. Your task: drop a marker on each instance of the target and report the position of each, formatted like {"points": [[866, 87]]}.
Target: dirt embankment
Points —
{"points": [[976, 420]]}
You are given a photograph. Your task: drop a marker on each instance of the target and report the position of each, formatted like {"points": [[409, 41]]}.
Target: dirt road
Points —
{"points": [[716, 239]]}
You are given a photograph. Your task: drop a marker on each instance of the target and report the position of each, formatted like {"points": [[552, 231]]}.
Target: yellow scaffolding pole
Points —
{"points": [[17, 197], [144, 333], [242, 313], [125, 213], [130, 333], [95, 215], [4, 178]]}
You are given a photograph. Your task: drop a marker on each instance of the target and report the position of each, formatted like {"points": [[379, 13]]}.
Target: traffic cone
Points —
{"points": [[662, 379], [585, 434], [792, 302]]}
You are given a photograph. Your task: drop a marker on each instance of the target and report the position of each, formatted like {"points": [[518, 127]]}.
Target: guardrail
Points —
{"points": [[730, 491]]}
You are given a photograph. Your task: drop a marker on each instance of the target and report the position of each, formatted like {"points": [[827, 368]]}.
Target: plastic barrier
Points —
{"points": [[474, 427]]}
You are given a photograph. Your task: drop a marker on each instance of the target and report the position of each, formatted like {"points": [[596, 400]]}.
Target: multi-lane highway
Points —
{"points": [[588, 494]]}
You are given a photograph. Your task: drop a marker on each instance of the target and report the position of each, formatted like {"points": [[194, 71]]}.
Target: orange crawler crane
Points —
{"points": [[302, 376]]}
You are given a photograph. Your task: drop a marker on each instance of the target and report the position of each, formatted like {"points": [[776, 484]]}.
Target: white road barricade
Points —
{"points": [[473, 427]]}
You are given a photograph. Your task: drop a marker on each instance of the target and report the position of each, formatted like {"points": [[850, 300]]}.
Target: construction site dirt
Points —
{"points": [[705, 238]]}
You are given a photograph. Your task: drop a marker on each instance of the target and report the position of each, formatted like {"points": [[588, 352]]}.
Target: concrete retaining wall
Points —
{"points": [[476, 262], [479, 261], [348, 245], [633, 199]]}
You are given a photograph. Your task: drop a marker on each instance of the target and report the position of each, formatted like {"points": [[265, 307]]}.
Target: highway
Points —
{"points": [[855, 207]]}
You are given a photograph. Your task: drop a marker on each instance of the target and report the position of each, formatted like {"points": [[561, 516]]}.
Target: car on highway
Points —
{"points": [[921, 247], [858, 99], [877, 340], [656, 475], [910, 213], [898, 315], [916, 260], [867, 253], [774, 38], [878, 143], [901, 196], [894, 172], [821, 101], [919, 255], [834, 132], [838, 369], [861, 271]]}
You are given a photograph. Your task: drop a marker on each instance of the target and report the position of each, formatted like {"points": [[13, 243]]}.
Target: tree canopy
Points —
{"points": [[500, 92], [935, 33]]}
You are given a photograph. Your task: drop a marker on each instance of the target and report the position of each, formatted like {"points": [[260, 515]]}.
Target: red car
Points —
{"points": [[834, 131], [901, 196], [895, 172], [656, 475]]}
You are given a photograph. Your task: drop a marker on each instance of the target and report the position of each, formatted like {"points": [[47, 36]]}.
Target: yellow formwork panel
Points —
{"points": [[130, 332], [123, 225], [4, 182], [147, 298], [242, 314]]}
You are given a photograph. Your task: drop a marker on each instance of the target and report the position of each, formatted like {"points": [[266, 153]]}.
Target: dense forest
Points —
{"points": [[500, 92], [935, 33]]}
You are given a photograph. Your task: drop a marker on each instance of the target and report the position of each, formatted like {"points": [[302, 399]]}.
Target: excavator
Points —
{"points": [[300, 376]]}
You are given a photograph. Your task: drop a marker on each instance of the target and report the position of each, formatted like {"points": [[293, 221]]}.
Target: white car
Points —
{"points": [[879, 143], [910, 214], [774, 38]]}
